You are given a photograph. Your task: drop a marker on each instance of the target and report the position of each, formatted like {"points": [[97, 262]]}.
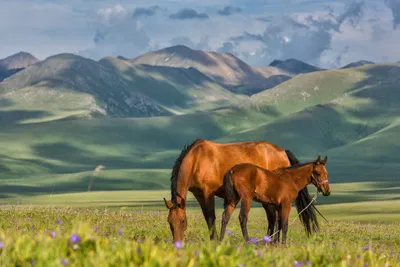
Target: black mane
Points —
{"points": [[176, 167]]}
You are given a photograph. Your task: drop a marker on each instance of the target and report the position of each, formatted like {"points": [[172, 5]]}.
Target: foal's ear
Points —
{"points": [[168, 204], [324, 160], [182, 205], [318, 161]]}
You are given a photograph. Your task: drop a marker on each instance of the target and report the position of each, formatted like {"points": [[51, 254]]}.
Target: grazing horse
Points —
{"points": [[248, 182], [200, 169]]}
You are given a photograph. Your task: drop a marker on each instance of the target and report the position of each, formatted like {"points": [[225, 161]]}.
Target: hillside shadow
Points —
{"points": [[10, 117], [4, 103]]}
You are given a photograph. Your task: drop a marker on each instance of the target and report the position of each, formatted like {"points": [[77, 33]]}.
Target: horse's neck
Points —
{"points": [[301, 176]]}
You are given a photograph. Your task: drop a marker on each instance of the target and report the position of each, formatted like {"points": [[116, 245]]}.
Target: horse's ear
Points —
{"points": [[324, 160], [182, 205], [318, 161], [168, 204]]}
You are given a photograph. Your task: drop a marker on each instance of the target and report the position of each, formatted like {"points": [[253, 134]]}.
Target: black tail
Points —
{"points": [[308, 217], [230, 191]]}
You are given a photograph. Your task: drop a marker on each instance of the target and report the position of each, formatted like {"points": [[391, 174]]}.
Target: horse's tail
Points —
{"points": [[230, 192], [308, 216]]}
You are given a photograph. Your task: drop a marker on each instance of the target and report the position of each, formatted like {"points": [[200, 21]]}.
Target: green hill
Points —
{"points": [[350, 115], [224, 68], [67, 85]]}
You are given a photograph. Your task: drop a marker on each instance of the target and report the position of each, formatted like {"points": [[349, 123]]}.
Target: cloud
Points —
{"points": [[188, 13], [112, 15], [306, 37], [118, 34], [146, 12], [229, 10], [227, 47], [394, 6]]}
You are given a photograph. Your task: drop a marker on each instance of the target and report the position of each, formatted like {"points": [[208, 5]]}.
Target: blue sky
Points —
{"points": [[325, 33]]}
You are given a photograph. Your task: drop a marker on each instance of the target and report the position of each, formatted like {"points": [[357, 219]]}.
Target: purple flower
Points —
{"points": [[267, 239], [253, 240], [308, 263], [95, 229], [365, 265], [120, 232], [2, 244], [366, 248], [65, 262], [178, 244], [240, 265], [298, 263], [53, 234], [229, 232], [32, 262], [75, 238], [59, 222]]}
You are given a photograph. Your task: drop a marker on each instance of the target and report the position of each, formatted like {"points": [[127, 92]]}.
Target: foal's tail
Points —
{"points": [[230, 192], [308, 217]]}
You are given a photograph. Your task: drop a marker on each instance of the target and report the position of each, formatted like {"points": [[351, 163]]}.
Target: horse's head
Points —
{"points": [[319, 176], [177, 219]]}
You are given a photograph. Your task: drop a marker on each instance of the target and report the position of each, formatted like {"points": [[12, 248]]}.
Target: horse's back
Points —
{"points": [[208, 161]]}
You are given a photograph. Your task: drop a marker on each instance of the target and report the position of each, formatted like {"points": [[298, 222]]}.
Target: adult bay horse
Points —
{"points": [[200, 169], [247, 182]]}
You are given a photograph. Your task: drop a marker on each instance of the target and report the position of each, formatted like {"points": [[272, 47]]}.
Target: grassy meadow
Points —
{"points": [[59, 120]]}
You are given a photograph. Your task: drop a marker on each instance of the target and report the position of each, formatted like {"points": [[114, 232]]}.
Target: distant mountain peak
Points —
{"points": [[357, 64], [293, 66], [19, 60]]}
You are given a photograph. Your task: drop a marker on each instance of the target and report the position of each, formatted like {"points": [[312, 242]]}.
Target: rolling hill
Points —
{"points": [[349, 114], [224, 68], [67, 85]]}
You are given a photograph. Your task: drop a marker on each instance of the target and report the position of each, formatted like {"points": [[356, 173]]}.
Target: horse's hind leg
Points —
{"points": [[271, 216], [244, 212], [226, 215], [207, 204]]}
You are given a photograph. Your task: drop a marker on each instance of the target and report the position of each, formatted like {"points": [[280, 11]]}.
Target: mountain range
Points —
{"points": [[63, 116]]}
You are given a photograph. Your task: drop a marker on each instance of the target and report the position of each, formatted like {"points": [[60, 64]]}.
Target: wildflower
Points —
{"points": [[75, 238], [53, 234], [253, 240], [178, 244], [366, 248], [266, 239], [59, 222], [2, 244], [365, 265], [65, 262], [308, 263], [240, 265], [297, 263], [120, 232], [229, 232], [95, 229], [32, 262]]}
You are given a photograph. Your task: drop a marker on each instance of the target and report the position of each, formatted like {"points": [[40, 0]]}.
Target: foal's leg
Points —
{"points": [[278, 223], [207, 204], [284, 220], [226, 215], [244, 212], [271, 216]]}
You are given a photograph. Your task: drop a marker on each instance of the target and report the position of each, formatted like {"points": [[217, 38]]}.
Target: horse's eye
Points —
{"points": [[182, 221]]}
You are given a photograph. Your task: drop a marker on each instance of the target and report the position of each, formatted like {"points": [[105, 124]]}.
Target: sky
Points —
{"points": [[324, 33]]}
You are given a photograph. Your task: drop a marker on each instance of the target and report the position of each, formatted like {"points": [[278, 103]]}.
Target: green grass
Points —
{"points": [[142, 238]]}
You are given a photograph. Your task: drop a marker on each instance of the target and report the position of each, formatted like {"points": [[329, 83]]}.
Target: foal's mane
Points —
{"points": [[296, 166], [176, 167]]}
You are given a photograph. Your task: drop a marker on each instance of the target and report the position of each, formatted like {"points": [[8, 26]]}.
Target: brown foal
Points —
{"points": [[280, 187]]}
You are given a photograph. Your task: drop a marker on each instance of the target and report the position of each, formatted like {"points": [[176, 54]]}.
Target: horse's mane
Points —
{"points": [[176, 167]]}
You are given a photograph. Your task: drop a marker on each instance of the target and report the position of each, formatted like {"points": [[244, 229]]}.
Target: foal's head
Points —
{"points": [[177, 218], [319, 176]]}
